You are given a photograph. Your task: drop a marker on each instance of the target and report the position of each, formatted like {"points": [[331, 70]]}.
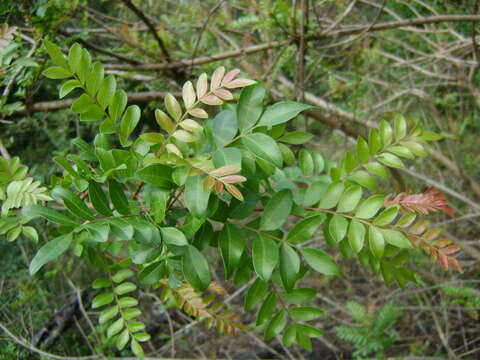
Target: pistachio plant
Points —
{"points": [[153, 210]]}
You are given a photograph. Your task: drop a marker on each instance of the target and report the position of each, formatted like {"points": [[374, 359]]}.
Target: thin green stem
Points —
{"points": [[257, 231]]}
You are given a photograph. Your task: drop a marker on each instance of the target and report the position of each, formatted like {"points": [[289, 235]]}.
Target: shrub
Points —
{"points": [[144, 208]]}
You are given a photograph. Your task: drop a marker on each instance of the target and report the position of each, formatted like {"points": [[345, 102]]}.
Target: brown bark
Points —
{"points": [[45, 106]]}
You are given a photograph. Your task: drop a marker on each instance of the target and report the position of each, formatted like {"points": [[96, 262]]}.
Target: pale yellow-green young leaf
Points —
{"points": [[234, 192], [188, 94], [172, 148], [217, 77], [198, 112], [164, 121], [191, 125], [202, 85], [173, 107], [208, 183], [152, 137], [184, 136], [225, 170]]}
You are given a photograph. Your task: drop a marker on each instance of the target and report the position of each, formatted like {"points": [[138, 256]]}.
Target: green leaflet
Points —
{"points": [[277, 210], [55, 54], [296, 137], [377, 169], [396, 238], [374, 142], [349, 199], [363, 153], [224, 127], [276, 325], [364, 179], [305, 229], [386, 133], [73, 203], [249, 106], [356, 235], [122, 275], [173, 236], [95, 78], [289, 266], [107, 91], [314, 193], [332, 195], [390, 160], [266, 310], [369, 207], [281, 112], [400, 126], [255, 294], [337, 227], [157, 201], [386, 216], [290, 335], [305, 161], [56, 72], [118, 197], [305, 313], [74, 56], [153, 273], [48, 214], [98, 198], [196, 198], [231, 241], [50, 251], [299, 296], [263, 147], [129, 122], [117, 105], [376, 241], [320, 261], [227, 156], [102, 300], [98, 231], [195, 268], [121, 228], [265, 254], [157, 175], [68, 86]]}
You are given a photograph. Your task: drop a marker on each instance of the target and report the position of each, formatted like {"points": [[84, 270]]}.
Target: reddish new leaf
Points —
{"points": [[430, 200]]}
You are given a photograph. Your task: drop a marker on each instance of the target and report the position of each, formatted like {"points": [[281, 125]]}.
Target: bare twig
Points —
{"points": [[180, 77], [100, 50], [200, 60], [45, 106], [202, 30]]}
